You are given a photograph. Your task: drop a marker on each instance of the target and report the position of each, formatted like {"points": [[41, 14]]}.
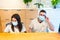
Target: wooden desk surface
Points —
{"points": [[29, 36]]}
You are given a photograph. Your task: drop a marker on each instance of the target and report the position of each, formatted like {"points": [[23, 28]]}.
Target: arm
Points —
{"points": [[31, 26], [7, 29], [29, 30], [23, 29], [50, 25]]}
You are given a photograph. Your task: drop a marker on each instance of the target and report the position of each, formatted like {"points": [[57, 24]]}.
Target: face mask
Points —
{"points": [[42, 18], [15, 23]]}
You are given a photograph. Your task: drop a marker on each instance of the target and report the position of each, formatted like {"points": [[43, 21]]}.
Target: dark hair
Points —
{"points": [[17, 17], [43, 11]]}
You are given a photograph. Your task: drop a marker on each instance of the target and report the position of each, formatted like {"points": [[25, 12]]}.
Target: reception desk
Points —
{"points": [[29, 36]]}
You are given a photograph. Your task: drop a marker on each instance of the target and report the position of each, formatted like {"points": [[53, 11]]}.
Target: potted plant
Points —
{"points": [[58, 5], [27, 2], [54, 3], [39, 5]]}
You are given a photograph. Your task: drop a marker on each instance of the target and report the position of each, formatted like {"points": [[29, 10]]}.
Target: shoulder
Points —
{"points": [[45, 23], [34, 20], [8, 25], [23, 28]]}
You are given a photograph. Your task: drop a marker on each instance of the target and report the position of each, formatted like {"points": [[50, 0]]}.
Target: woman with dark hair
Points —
{"points": [[15, 25]]}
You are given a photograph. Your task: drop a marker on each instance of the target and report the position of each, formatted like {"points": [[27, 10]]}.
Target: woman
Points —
{"points": [[15, 25]]}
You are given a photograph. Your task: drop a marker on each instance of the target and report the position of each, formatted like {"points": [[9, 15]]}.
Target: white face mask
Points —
{"points": [[42, 18], [15, 23]]}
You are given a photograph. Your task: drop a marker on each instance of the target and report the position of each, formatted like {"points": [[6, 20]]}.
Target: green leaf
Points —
{"points": [[27, 1], [54, 2], [38, 4]]}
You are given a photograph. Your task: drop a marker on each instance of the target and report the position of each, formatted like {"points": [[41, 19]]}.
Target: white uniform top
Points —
{"points": [[9, 29], [38, 27]]}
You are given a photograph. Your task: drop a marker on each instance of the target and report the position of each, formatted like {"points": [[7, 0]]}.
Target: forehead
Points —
{"points": [[13, 18], [42, 13]]}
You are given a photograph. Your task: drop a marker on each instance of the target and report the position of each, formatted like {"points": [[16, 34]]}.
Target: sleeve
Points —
{"points": [[31, 25], [23, 29], [7, 28], [46, 24]]}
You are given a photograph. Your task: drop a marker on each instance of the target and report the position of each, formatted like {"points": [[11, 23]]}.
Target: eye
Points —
{"points": [[13, 19], [41, 14]]}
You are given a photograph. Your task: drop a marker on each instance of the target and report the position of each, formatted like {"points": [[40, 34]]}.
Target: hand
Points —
{"points": [[50, 25], [47, 19]]}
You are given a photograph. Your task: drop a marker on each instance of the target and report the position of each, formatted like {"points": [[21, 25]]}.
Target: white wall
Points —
{"points": [[13, 4]]}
